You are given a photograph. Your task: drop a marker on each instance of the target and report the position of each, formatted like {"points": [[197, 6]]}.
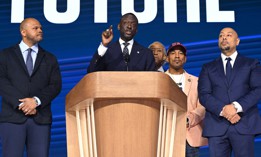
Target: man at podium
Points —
{"points": [[125, 54]]}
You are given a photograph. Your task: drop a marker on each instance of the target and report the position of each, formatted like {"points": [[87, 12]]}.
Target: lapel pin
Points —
{"points": [[138, 52]]}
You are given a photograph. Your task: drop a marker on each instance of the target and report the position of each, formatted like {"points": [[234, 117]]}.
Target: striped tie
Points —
{"points": [[126, 55]]}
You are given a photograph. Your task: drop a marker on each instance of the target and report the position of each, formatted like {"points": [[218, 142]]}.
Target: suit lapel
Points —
{"points": [[38, 60], [118, 47], [220, 70], [236, 67], [188, 82], [19, 57], [116, 50], [136, 54]]}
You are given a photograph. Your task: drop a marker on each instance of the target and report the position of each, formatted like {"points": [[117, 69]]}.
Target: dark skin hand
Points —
{"points": [[107, 36]]}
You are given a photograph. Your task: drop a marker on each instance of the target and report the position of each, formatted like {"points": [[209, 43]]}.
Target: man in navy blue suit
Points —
{"points": [[125, 54], [29, 80], [229, 88]]}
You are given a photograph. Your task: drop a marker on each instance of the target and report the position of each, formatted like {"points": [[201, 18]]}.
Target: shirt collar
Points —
{"points": [[233, 57], [130, 42], [24, 47]]}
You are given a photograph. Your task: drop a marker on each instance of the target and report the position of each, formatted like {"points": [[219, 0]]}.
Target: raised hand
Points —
{"points": [[107, 36]]}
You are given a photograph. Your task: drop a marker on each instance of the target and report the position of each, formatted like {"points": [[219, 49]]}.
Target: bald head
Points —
{"points": [[25, 22], [31, 31], [229, 29], [228, 41]]}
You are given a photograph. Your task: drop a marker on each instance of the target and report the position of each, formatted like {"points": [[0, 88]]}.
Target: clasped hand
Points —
{"points": [[230, 113], [28, 106]]}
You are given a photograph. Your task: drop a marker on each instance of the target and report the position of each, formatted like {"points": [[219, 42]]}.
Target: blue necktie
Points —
{"points": [[29, 62], [228, 68]]}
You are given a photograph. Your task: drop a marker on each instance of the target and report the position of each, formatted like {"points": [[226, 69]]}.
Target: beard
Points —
{"points": [[34, 38], [225, 48]]}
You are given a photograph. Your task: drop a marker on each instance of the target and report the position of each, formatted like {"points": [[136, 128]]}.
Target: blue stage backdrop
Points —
{"points": [[72, 32]]}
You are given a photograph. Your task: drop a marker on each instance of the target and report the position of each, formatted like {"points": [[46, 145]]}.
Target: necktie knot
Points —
{"points": [[228, 59], [126, 44], [29, 50]]}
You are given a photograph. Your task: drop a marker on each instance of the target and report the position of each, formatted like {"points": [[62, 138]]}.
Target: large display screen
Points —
{"points": [[72, 28]]}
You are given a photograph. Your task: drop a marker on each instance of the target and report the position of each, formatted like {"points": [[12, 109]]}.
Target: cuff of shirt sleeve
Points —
{"points": [[37, 100], [221, 113], [102, 50], [237, 106]]}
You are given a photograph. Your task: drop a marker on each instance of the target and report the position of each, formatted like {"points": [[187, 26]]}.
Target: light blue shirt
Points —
{"points": [[24, 50]]}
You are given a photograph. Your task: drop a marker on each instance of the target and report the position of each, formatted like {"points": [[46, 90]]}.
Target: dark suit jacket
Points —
{"points": [[15, 83], [141, 59], [244, 87]]}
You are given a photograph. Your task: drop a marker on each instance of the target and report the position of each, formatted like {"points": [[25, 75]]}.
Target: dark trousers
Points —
{"points": [[241, 145], [30, 135], [191, 151]]}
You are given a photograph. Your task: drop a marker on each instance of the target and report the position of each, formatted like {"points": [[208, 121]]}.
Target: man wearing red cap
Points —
{"points": [[177, 56]]}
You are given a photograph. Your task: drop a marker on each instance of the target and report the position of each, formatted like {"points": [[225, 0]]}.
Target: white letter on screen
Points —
{"points": [[17, 11], [193, 11], [100, 11], [69, 16], [214, 15], [149, 13], [170, 11]]}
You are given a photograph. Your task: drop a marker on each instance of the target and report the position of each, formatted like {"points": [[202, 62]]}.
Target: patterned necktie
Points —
{"points": [[126, 55], [228, 68], [29, 62]]}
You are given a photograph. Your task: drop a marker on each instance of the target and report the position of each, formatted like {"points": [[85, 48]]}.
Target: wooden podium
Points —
{"points": [[126, 114]]}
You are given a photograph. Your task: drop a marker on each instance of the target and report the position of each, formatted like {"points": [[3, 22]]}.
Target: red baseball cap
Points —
{"points": [[177, 45]]}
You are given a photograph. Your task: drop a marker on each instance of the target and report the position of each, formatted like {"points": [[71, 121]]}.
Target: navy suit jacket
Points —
{"points": [[244, 87], [16, 83], [141, 59]]}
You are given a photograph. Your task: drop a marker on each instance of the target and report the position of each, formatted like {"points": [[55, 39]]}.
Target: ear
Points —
{"points": [[164, 57], [23, 33], [167, 59], [118, 26], [238, 41]]}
